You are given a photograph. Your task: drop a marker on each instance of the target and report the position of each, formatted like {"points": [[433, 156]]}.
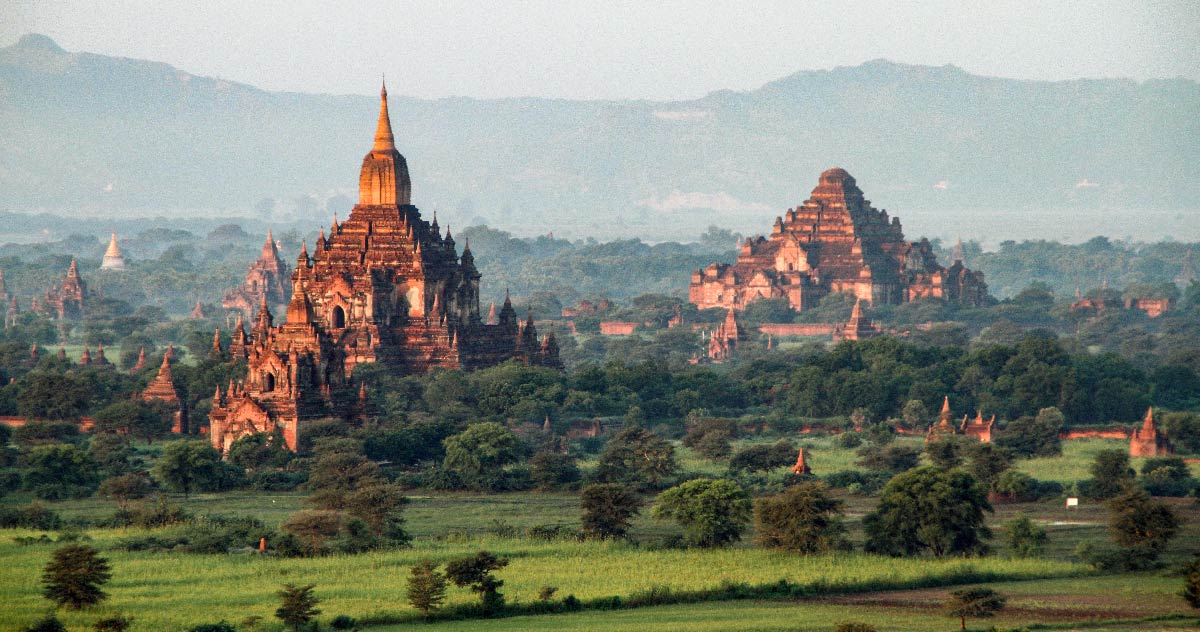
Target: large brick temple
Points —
{"points": [[384, 286], [265, 280], [834, 242]]}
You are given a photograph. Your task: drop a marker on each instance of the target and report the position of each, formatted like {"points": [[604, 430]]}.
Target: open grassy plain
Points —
{"points": [[1100, 604], [727, 589], [169, 591]]}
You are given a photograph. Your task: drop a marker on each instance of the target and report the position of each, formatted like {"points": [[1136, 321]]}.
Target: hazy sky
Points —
{"points": [[612, 49]]}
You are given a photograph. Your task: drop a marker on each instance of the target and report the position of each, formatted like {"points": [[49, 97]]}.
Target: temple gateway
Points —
{"points": [[834, 242], [384, 286]]}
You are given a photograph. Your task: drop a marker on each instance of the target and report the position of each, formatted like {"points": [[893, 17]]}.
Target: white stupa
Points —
{"points": [[112, 257]]}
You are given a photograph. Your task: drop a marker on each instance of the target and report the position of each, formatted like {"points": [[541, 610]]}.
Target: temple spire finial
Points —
{"points": [[384, 141]]}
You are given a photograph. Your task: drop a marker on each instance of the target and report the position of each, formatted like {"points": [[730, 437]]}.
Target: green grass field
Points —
{"points": [[1102, 604], [174, 591], [166, 591]]}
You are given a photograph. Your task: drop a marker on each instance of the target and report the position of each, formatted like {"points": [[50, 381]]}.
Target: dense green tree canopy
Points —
{"points": [[929, 509], [711, 512]]}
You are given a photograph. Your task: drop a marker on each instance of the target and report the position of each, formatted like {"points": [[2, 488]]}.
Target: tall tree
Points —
{"points": [[124, 488], [380, 506], [978, 602], [551, 469], [1034, 436], [188, 466], [1191, 582], [711, 512], [59, 471], [608, 510], [805, 519], [636, 456], [142, 420], [1137, 521], [299, 605], [929, 509], [74, 575], [314, 526], [337, 475], [479, 454], [426, 587], [1111, 474], [476, 572]]}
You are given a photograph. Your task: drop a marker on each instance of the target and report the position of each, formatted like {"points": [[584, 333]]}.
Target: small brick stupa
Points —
{"points": [[801, 466], [1147, 441], [859, 327], [162, 388], [944, 426]]}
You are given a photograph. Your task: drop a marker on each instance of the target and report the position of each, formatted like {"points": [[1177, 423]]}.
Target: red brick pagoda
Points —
{"points": [[384, 286], [834, 242]]}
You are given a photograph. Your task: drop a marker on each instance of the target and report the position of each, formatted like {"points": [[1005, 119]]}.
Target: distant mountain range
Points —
{"points": [[84, 133]]}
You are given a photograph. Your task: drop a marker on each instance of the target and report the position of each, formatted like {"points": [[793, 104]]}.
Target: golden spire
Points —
{"points": [[113, 249], [384, 141]]}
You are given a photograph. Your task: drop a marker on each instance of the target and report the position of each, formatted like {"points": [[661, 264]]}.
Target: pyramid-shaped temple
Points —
{"points": [[834, 242], [383, 286]]}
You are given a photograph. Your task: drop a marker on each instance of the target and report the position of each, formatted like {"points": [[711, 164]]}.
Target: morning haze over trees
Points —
{"points": [[552, 428]]}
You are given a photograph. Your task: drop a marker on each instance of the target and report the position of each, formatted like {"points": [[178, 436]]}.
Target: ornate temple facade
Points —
{"points": [[383, 286], [723, 341], [834, 242], [68, 300], [267, 279]]}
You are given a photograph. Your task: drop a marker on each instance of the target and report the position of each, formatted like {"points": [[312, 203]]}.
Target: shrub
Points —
{"points": [[213, 627], [1167, 476], [121, 489], [867, 482], [160, 514], [553, 470], [1191, 583], [849, 440], [35, 515], [277, 481], [49, 623], [343, 622], [1024, 537], [763, 457], [854, 626], [892, 458]]}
